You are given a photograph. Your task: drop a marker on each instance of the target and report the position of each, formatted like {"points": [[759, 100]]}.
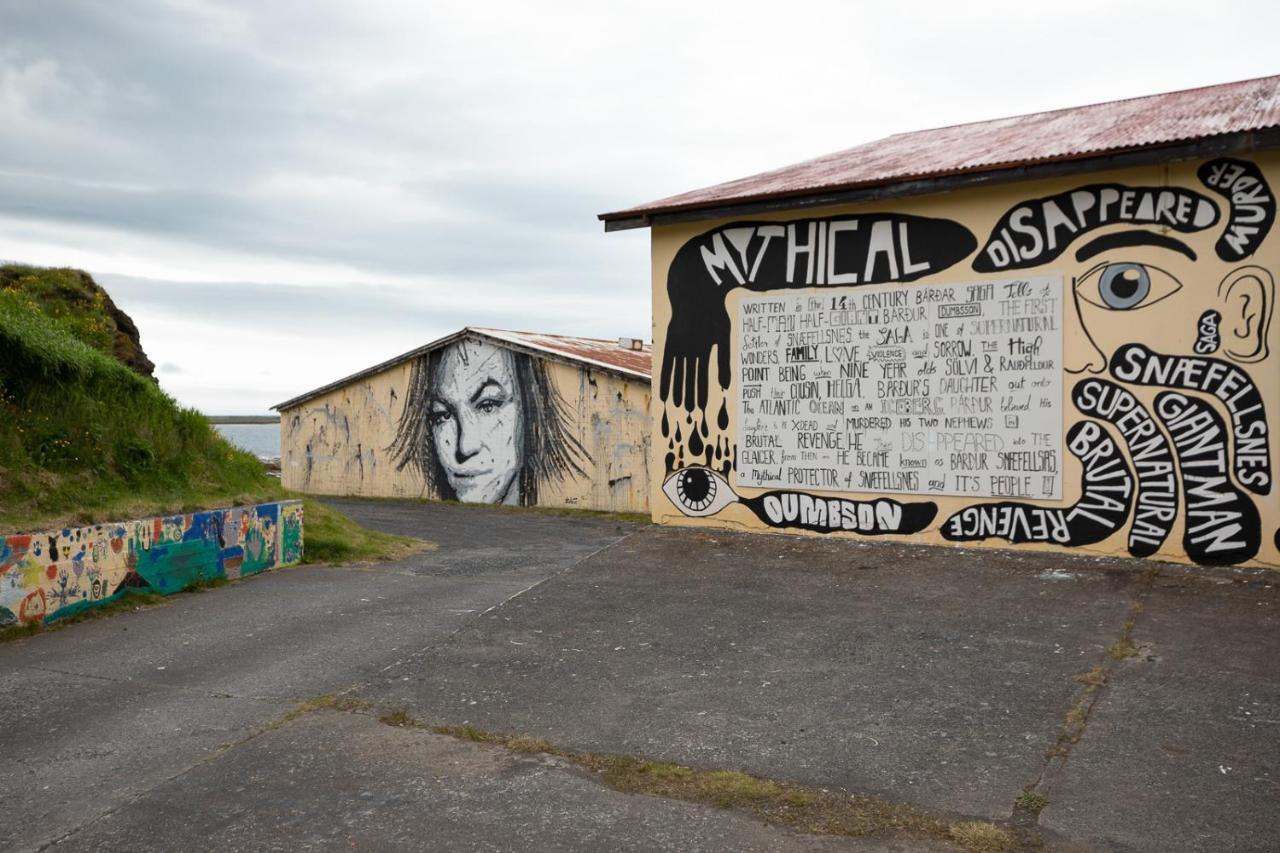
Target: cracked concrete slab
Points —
{"points": [[72, 747], [98, 713], [474, 539], [293, 633], [346, 781], [1182, 751], [934, 676], [926, 675]]}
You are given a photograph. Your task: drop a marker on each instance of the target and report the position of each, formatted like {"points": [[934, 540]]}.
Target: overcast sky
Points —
{"points": [[282, 193]]}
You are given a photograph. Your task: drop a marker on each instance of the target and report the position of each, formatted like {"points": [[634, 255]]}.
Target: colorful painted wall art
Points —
{"points": [[48, 576]]}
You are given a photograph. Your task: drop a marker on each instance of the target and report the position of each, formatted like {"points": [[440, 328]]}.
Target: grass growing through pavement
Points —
{"points": [[1032, 801], [803, 808], [1073, 722], [326, 701], [1124, 647], [399, 718], [799, 807], [981, 837]]}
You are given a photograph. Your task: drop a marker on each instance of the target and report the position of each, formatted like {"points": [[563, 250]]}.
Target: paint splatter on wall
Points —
{"points": [[48, 576]]}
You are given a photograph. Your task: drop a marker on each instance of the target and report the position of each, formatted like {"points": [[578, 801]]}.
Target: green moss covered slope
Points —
{"points": [[85, 438]]}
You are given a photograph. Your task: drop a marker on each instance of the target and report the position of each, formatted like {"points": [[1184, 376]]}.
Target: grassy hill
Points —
{"points": [[83, 308], [87, 436]]}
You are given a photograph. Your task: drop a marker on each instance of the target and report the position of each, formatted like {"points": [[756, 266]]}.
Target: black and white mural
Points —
{"points": [[767, 256], [1098, 367], [485, 424]]}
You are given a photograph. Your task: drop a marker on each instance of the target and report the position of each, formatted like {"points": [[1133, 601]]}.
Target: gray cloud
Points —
{"points": [[462, 152], [333, 311]]}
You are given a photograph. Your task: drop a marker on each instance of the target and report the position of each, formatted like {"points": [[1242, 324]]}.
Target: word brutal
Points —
{"points": [[1106, 493]]}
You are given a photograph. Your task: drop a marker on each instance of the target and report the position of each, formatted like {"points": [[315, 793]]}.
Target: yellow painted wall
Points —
{"points": [[1166, 321], [342, 443]]}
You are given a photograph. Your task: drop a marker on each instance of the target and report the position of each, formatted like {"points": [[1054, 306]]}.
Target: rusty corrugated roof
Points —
{"points": [[597, 351], [1057, 135], [600, 353]]}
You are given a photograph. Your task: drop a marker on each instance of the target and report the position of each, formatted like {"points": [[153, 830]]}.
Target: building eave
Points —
{"points": [[492, 335], [1243, 142]]}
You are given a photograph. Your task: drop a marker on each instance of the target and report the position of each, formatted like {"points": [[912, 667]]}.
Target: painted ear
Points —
{"points": [[1248, 297]]}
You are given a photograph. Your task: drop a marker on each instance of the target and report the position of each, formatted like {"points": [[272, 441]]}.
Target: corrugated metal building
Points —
{"points": [[483, 416], [1049, 331]]}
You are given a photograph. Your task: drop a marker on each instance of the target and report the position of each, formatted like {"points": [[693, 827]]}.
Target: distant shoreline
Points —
{"points": [[242, 419]]}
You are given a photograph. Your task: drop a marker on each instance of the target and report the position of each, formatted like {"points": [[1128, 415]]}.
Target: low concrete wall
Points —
{"points": [[48, 576]]}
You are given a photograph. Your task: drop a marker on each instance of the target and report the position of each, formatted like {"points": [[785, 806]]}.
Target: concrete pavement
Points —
{"points": [[103, 713], [1140, 702]]}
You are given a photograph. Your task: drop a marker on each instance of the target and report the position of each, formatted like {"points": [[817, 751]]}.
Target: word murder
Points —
{"points": [[952, 390]]}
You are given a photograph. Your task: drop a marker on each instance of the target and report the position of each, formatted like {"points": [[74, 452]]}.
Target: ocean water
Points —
{"points": [[262, 440]]}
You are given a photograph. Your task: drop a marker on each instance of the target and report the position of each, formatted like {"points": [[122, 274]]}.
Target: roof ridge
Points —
{"points": [[1072, 108], [1069, 133], [918, 131], [624, 369], [484, 329]]}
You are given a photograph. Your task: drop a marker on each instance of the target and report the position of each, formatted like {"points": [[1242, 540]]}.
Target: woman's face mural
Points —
{"points": [[477, 422], [485, 424]]}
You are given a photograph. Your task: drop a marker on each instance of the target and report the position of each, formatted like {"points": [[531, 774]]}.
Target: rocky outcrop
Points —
{"points": [[127, 346], [73, 297]]}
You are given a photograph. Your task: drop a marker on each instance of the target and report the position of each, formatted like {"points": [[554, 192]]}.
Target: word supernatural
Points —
{"points": [[1157, 501], [1251, 456]]}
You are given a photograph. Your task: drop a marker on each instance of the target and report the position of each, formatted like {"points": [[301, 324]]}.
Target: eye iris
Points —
{"points": [[1124, 285], [696, 488]]}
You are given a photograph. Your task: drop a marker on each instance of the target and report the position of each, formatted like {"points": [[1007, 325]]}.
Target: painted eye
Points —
{"points": [[489, 406], [698, 492], [1125, 286], [439, 416]]}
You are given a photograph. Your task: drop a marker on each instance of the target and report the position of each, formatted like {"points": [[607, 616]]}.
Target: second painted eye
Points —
{"points": [[698, 491], [1125, 286]]}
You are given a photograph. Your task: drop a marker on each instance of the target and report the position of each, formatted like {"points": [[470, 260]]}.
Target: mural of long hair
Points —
{"points": [[551, 452]]}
